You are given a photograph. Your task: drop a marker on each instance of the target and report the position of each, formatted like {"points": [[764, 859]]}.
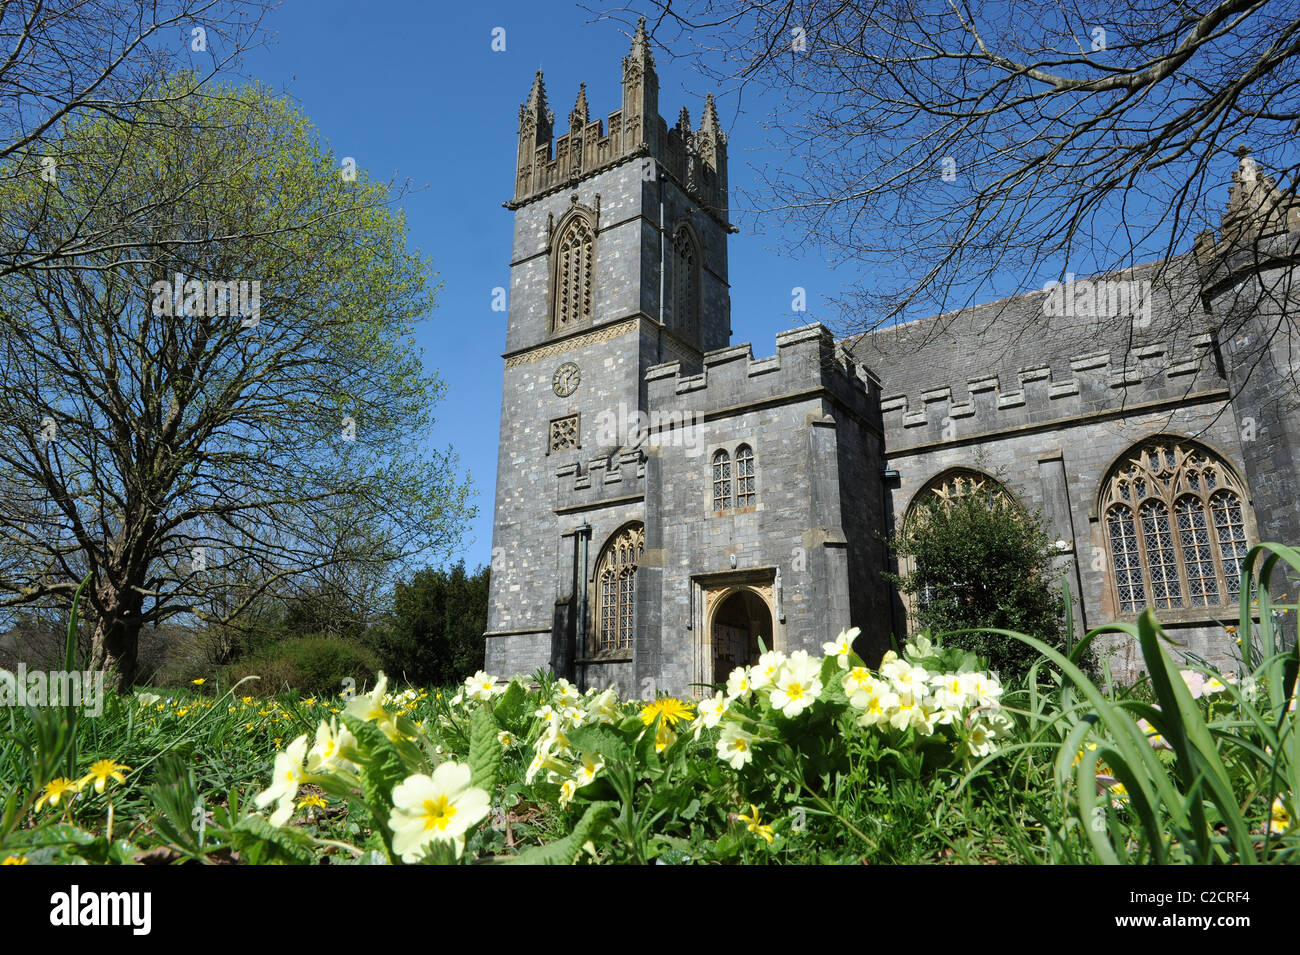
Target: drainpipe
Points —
{"points": [[660, 178], [583, 532]]}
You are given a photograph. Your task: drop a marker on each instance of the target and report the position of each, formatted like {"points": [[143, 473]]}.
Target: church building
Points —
{"points": [[666, 501]]}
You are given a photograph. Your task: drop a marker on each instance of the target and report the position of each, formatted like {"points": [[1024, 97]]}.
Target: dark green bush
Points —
{"points": [[983, 561], [316, 665]]}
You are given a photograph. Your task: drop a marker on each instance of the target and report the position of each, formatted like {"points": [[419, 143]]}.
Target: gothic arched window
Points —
{"points": [[1175, 528], [615, 589], [721, 480], [745, 495], [574, 261], [686, 283]]}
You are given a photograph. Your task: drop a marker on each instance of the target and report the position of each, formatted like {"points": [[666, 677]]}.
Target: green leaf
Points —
{"points": [[603, 741], [484, 749], [510, 712], [566, 851], [261, 843]]}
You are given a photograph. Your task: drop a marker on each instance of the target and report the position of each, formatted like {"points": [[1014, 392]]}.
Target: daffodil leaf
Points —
{"points": [[484, 749]]}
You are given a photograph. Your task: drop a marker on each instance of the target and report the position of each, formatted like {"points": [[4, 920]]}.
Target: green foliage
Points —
{"points": [[435, 636], [980, 563], [1190, 765], [312, 665]]}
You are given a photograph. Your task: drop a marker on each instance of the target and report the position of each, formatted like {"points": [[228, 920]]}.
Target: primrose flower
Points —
{"points": [[841, 647], [980, 741], [441, 807], [763, 674], [55, 790], [370, 707], [738, 684], [589, 764], [506, 739], [604, 707], [797, 685], [331, 740], [483, 687], [568, 789], [543, 760], [952, 690], [565, 692], [286, 777], [736, 746], [101, 772], [754, 825], [907, 679], [879, 705], [710, 713], [985, 689]]}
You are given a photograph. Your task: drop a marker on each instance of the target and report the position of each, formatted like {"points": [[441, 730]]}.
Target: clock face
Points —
{"points": [[566, 379]]}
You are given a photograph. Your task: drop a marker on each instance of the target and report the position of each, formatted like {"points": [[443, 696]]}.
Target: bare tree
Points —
{"points": [[961, 150], [61, 60], [225, 398]]}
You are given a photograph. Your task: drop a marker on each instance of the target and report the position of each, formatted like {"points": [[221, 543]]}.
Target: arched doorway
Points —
{"points": [[741, 620]]}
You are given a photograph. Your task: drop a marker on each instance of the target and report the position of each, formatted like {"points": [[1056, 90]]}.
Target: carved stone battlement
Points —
{"points": [[1097, 382], [600, 480], [806, 359]]}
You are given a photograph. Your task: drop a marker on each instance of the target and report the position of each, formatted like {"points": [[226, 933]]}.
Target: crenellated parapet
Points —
{"points": [[696, 158], [808, 362], [601, 480], [1096, 382]]}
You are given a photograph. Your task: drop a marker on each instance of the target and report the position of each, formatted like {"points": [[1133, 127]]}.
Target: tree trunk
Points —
{"points": [[116, 636]]}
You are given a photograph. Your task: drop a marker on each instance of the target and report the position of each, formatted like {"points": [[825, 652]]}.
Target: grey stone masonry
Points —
{"points": [[667, 504]]}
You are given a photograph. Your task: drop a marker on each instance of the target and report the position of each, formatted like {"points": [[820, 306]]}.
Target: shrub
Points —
{"points": [[981, 561], [310, 664]]}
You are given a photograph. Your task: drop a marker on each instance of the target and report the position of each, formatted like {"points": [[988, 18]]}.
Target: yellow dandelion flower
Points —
{"points": [[101, 772], [200, 681], [14, 860], [55, 790], [671, 709], [310, 701], [278, 740], [312, 801]]}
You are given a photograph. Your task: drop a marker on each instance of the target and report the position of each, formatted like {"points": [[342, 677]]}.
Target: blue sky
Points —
{"points": [[417, 92]]}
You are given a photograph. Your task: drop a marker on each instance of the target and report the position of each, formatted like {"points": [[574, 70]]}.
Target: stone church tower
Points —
{"points": [[614, 548], [667, 505]]}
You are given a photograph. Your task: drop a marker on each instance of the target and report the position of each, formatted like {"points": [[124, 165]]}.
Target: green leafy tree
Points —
{"points": [[982, 560], [190, 439], [435, 636]]}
